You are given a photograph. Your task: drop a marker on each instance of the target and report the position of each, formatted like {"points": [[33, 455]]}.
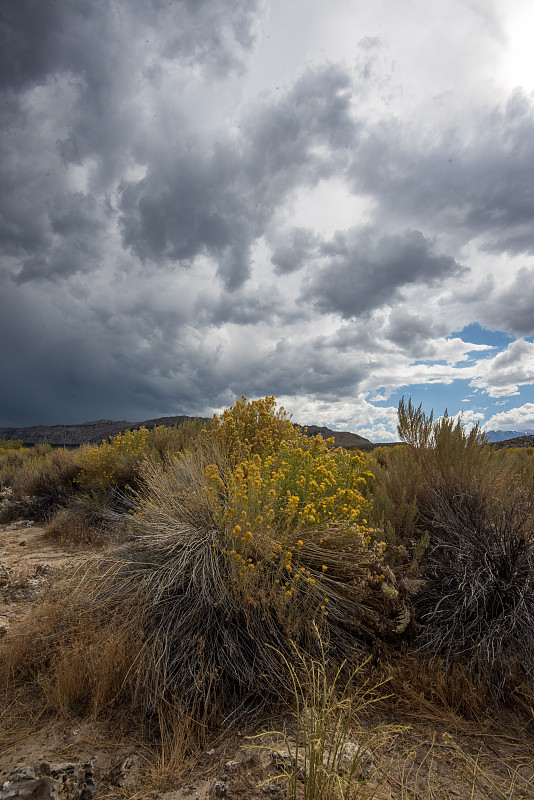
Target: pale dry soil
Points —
{"points": [[430, 757]]}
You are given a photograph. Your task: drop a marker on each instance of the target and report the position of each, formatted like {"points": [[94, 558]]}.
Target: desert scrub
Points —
{"points": [[217, 609], [435, 452], [43, 482], [165, 442], [255, 427], [301, 486], [11, 444], [114, 464], [11, 462], [276, 478], [91, 518], [288, 491], [472, 509]]}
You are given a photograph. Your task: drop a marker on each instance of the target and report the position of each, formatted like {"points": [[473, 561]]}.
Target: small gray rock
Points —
{"points": [[218, 789]]}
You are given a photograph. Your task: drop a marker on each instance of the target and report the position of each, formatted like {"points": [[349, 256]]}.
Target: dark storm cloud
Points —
{"points": [[465, 183], [70, 75], [263, 304], [194, 202], [76, 222], [41, 37], [67, 363], [363, 270], [141, 226]]}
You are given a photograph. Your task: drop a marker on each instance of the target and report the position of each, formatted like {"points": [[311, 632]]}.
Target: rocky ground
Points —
{"points": [[77, 757]]}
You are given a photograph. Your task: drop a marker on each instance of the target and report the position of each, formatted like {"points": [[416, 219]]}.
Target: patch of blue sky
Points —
{"points": [[458, 395], [476, 334]]}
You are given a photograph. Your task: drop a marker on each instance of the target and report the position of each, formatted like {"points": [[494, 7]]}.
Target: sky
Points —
{"points": [[328, 202]]}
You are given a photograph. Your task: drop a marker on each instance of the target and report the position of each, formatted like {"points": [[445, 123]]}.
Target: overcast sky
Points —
{"points": [[331, 202]]}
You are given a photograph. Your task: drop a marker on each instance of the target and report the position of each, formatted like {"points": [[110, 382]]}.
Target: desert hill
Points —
{"points": [[84, 433], [517, 441]]}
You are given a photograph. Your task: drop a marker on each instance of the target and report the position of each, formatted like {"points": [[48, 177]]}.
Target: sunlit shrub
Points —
{"points": [[255, 427], [114, 462], [217, 602]]}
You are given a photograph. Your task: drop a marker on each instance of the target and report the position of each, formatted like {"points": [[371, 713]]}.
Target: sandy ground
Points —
{"points": [[28, 562]]}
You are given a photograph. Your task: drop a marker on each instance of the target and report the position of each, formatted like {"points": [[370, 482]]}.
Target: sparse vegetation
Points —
{"points": [[257, 564]]}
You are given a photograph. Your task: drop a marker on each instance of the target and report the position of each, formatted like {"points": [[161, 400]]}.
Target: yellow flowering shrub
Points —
{"points": [[114, 462], [282, 491], [255, 427]]}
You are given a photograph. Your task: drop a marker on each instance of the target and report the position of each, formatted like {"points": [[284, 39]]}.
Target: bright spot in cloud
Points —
{"points": [[519, 61], [329, 207]]}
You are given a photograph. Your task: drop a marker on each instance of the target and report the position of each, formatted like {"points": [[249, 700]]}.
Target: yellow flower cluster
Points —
{"points": [[253, 427], [282, 484], [297, 488]]}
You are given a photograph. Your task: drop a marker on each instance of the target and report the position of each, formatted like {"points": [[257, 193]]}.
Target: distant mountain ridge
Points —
{"points": [[86, 432], [501, 436], [95, 431]]}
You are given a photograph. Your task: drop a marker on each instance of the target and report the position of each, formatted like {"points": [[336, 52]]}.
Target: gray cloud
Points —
{"points": [[292, 255], [77, 224], [194, 202], [41, 37], [511, 308], [466, 184], [364, 270], [414, 333]]}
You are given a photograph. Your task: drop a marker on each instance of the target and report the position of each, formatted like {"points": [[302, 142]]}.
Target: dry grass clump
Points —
{"points": [[42, 484], [324, 752], [90, 519], [79, 657], [477, 604]]}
